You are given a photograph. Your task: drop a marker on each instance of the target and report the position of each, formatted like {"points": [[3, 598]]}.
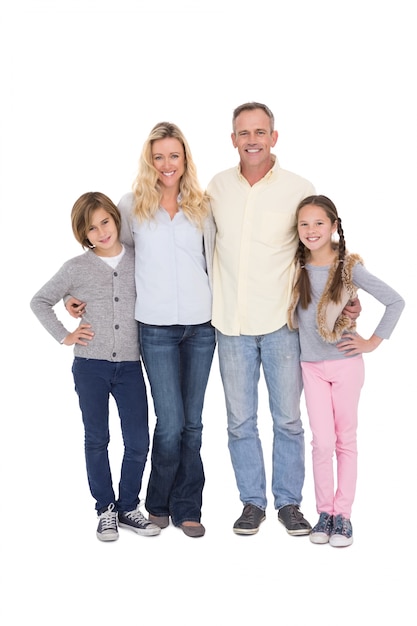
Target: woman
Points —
{"points": [[167, 217]]}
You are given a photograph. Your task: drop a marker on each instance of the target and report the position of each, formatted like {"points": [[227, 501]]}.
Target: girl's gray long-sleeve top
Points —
{"points": [[313, 347], [110, 295]]}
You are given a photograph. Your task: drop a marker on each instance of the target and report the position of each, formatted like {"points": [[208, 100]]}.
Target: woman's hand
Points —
{"points": [[75, 307]]}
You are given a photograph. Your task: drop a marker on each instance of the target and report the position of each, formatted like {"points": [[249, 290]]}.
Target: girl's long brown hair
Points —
{"points": [[303, 283]]}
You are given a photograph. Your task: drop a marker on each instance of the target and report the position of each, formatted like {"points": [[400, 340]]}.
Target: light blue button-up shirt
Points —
{"points": [[170, 269]]}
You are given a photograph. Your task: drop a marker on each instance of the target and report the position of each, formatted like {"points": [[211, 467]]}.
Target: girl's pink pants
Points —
{"points": [[332, 390]]}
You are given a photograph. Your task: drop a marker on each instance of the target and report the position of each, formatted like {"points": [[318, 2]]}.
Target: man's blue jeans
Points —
{"points": [[240, 361], [95, 381], [177, 360]]}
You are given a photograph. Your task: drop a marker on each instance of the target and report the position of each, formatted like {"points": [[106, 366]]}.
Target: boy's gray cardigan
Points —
{"points": [[110, 295]]}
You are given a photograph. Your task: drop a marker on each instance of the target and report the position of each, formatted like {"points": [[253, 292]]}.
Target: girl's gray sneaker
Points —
{"points": [[323, 529], [342, 534]]}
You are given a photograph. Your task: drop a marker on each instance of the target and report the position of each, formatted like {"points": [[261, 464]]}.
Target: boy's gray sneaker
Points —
{"points": [[322, 530], [250, 520], [342, 533], [136, 521], [293, 520], [107, 525]]}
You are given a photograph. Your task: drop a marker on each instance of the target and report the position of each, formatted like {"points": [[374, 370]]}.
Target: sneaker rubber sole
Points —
{"points": [[108, 536], [145, 532], [340, 541], [248, 531], [298, 532], [320, 538]]}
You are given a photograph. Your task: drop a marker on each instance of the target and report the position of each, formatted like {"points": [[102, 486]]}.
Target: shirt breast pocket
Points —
{"points": [[275, 229]]}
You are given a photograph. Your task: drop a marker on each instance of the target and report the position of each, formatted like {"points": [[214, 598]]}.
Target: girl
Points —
{"points": [[106, 358], [327, 277]]}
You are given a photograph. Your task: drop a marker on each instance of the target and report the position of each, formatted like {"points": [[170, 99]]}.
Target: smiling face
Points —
{"points": [[254, 138], [168, 158], [102, 234], [315, 230]]}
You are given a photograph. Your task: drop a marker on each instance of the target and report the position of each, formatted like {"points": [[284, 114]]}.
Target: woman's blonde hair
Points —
{"points": [[147, 189]]}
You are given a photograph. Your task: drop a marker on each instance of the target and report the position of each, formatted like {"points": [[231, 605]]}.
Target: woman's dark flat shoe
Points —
{"points": [[193, 531], [160, 520]]}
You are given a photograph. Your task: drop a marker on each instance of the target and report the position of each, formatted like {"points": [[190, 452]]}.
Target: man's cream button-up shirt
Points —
{"points": [[255, 247]]}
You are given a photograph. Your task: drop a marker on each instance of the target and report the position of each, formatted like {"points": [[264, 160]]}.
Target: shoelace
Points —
{"points": [[108, 519], [324, 523], [248, 513], [137, 516], [296, 515]]}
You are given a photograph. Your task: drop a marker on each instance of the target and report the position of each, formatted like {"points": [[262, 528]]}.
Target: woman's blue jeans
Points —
{"points": [[177, 360], [95, 381]]}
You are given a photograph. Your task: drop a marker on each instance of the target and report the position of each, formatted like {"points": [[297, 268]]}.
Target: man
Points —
{"points": [[254, 208]]}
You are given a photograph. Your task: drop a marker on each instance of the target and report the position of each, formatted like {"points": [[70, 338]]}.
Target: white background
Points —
{"points": [[82, 84]]}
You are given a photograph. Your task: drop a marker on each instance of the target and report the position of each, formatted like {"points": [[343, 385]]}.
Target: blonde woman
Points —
{"points": [[167, 218]]}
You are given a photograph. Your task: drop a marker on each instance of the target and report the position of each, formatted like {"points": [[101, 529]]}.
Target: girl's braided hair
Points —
{"points": [[303, 283]]}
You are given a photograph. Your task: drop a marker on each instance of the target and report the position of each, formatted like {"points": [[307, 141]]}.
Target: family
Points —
{"points": [[257, 265]]}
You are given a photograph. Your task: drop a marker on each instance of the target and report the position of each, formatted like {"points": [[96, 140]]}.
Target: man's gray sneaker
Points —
{"points": [[250, 520], [293, 520]]}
